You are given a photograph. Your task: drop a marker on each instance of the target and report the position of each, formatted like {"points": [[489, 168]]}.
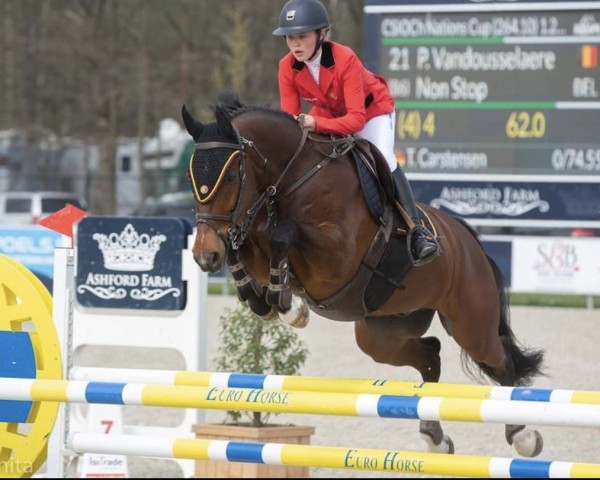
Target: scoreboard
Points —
{"points": [[486, 90]]}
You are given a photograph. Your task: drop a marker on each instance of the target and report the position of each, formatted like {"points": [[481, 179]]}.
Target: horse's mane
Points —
{"points": [[229, 101]]}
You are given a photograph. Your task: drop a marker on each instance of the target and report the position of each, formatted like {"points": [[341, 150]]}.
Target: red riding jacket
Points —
{"points": [[347, 95]]}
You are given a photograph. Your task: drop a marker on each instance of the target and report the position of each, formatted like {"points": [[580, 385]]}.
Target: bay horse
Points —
{"points": [[292, 215]]}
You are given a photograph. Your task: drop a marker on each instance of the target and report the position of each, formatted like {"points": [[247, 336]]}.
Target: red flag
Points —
{"points": [[62, 221]]}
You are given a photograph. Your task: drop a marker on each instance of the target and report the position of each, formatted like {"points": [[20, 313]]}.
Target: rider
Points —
{"points": [[346, 98]]}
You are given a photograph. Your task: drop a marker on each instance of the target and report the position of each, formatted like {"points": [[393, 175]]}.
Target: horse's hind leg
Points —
{"points": [[395, 341], [431, 430], [502, 359], [526, 441]]}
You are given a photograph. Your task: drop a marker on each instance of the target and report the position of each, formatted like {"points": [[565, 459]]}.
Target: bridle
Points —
{"points": [[237, 230]]}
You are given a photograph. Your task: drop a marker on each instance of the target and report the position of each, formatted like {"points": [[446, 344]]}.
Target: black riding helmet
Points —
{"points": [[299, 16]]}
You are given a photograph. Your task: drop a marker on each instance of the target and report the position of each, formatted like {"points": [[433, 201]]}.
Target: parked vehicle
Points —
{"points": [[29, 207], [176, 204]]}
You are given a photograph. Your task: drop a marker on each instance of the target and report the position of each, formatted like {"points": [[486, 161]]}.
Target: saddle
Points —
{"points": [[375, 176], [378, 185]]}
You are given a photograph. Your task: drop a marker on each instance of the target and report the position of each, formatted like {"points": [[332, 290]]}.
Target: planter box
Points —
{"points": [[299, 435]]}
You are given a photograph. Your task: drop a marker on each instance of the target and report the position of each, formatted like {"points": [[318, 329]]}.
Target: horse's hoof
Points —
{"points": [[528, 442], [269, 317], [298, 314], [445, 446]]}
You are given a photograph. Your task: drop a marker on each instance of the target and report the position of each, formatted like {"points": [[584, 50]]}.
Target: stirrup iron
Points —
{"points": [[418, 262]]}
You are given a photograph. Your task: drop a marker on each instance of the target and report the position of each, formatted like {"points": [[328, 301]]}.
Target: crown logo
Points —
{"points": [[128, 250]]}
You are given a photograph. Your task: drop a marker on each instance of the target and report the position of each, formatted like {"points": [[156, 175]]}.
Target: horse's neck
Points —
{"points": [[277, 152]]}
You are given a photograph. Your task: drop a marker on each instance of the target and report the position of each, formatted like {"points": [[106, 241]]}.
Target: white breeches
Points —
{"points": [[381, 132]]}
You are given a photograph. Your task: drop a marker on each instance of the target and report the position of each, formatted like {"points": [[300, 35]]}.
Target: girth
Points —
{"points": [[348, 304]]}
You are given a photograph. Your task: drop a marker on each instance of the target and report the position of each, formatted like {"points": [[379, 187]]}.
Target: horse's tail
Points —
{"points": [[527, 361]]}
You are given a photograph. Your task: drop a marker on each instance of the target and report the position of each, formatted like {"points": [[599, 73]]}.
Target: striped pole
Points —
{"points": [[334, 385], [389, 461], [317, 403]]}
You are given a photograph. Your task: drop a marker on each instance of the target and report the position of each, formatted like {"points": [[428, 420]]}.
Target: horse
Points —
{"points": [[289, 213]]}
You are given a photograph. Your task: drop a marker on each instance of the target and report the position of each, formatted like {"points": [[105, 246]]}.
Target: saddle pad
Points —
{"points": [[389, 273], [395, 262]]}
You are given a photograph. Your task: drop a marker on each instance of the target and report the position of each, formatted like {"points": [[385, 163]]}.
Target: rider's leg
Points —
{"points": [[380, 131], [423, 245]]}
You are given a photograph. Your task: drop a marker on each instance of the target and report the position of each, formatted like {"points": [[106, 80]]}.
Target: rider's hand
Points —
{"points": [[307, 121]]}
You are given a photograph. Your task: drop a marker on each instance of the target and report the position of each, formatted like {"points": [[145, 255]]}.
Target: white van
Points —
{"points": [[21, 208]]}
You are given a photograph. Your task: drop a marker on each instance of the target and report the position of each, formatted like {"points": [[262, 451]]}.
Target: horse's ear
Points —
{"points": [[224, 123], [229, 100], [193, 127]]}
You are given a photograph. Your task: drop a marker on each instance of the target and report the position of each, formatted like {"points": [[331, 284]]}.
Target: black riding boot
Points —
{"points": [[423, 246]]}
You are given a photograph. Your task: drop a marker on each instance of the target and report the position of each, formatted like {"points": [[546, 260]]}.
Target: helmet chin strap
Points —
{"points": [[318, 44]]}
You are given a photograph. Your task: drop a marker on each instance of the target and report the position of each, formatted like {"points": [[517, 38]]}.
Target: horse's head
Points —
{"points": [[237, 170], [216, 174]]}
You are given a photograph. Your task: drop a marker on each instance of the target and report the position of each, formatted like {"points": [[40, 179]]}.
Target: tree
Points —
{"points": [[97, 70]]}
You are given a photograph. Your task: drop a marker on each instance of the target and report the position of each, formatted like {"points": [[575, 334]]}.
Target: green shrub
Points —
{"points": [[248, 344]]}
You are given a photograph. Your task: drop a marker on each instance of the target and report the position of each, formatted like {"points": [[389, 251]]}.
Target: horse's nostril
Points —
{"points": [[215, 260], [210, 263]]}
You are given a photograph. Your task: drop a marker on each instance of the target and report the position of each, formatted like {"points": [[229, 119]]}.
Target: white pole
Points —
{"points": [[63, 293]]}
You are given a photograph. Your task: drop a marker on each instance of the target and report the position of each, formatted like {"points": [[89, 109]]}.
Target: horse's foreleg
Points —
{"points": [[293, 310], [261, 308], [298, 314], [283, 237], [248, 288]]}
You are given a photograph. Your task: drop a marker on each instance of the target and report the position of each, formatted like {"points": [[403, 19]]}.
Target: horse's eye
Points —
{"points": [[231, 176]]}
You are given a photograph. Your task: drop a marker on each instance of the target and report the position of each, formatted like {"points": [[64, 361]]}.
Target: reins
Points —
{"points": [[347, 143], [237, 233]]}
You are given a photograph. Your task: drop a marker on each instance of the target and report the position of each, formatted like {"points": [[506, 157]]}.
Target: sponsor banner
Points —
{"points": [[556, 265], [524, 198], [131, 262], [32, 246], [107, 420]]}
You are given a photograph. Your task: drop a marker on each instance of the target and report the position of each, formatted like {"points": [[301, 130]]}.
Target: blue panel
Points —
{"points": [[244, 452], [17, 360], [105, 392], [371, 36], [532, 395], [131, 262], [530, 468], [33, 246], [501, 253], [246, 380], [392, 406]]}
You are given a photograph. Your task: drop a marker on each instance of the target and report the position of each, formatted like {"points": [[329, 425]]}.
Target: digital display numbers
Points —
{"points": [[494, 90]]}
